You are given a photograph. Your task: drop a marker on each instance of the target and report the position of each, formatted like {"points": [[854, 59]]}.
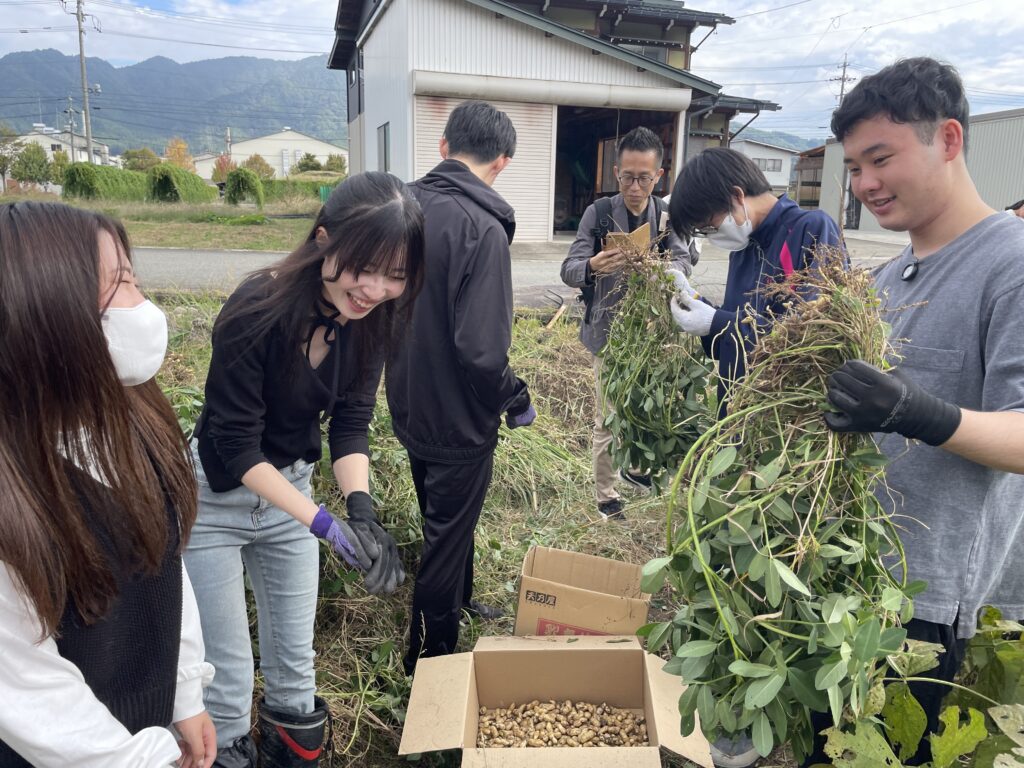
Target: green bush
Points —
{"points": [[282, 189], [242, 184], [171, 184], [104, 182]]}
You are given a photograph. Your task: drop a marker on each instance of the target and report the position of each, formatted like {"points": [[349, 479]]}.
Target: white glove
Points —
{"points": [[690, 313]]}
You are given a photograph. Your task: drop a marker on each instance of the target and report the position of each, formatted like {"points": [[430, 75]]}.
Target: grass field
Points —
{"points": [[541, 494]]}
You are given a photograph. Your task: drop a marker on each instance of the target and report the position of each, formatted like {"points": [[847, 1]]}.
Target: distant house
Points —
{"points": [[282, 150], [574, 76], [776, 162], [73, 144], [809, 168]]}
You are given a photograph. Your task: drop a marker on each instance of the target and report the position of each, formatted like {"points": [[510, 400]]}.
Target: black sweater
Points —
{"points": [[264, 400], [129, 658], [449, 380]]}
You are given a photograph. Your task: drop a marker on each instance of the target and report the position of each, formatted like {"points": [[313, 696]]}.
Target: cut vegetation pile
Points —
{"points": [[103, 182], [170, 184]]}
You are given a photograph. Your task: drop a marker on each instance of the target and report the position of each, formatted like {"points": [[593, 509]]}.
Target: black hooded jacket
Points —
{"points": [[449, 381]]}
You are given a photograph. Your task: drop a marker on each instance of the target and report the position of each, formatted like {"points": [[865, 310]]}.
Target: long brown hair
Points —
{"points": [[62, 406], [373, 224]]}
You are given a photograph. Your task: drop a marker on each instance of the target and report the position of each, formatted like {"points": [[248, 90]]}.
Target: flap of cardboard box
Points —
{"points": [[442, 710], [664, 691], [598, 574], [563, 757], [640, 238]]}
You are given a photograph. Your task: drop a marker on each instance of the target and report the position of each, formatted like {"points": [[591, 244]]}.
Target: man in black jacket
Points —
{"points": [[449, 381]]}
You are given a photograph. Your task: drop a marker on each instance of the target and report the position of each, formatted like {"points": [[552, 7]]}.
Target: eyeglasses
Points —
{"points": [[626, 180], [704, 231]]}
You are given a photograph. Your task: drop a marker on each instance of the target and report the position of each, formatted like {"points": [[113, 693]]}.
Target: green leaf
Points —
{"points": [[865, 642], [761, 732], [833, 609], [802, 685], [687, 709], [1009, 718], [706, 708], [700, 495], [773, 587], [779, 717], [829, 675], [758, 565], [905, 719], [747, 669], [722, 460], [790, 578], [760, 692], [769, 473], [998, 752], [781, 509], [658, 636], [864, 748], [652, 576], [919, 656], [956, 739], [892, 599], [695, 649], [835, 703]]}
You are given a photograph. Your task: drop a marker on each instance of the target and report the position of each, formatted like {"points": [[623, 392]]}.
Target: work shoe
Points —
{"points": [[638, 480], [241, 754], [611, 509], [290, 739], [478, 610], [735, 752]]}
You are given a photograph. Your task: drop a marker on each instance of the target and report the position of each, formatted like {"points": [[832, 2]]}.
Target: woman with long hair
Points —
{"points": [[99, 632], [297, 344]]}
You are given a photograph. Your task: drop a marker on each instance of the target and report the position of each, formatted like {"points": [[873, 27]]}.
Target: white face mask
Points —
{"points": [[137, 339], [731, 236]]}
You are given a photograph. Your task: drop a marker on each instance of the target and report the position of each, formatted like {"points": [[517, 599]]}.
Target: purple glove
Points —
{"points": [[523, 419], [342, 539]]}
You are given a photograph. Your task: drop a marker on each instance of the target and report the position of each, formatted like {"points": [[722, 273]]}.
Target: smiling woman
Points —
{"points": [[299, 342]]}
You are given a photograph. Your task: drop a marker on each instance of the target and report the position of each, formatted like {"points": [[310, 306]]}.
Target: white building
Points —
{"points": [[995, 159], [573, 76], [775, 162], [281, 150], [72, 143]]}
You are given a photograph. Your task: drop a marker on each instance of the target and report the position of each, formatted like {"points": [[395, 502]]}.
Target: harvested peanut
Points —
{"points": [[564, 724]]}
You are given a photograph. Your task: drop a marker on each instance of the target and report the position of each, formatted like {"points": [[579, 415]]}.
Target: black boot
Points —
{"points": [[290, 740], [241, 754]]}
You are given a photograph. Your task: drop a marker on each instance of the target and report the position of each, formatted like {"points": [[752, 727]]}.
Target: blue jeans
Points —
{"points": [[239, 534]]}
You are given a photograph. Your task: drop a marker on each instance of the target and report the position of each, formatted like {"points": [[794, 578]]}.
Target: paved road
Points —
{"points": [[535, 279]]}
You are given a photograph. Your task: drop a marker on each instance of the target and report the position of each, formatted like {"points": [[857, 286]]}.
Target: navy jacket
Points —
{"points": [[782, 244]]}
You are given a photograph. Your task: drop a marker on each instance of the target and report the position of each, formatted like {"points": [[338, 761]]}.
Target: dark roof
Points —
{"points": [[669, 10], [346, 34], [735, 104]]}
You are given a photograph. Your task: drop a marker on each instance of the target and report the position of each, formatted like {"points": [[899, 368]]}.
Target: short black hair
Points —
{"points": [[705, 187], [478, 130], [921, 92], [1016, 206], [642, 139]]}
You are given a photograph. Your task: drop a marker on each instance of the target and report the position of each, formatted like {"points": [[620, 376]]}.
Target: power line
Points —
{"points": [[771, 10]]}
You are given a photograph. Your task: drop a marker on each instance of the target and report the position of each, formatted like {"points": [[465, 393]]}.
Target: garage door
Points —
{"points": [[526, 182]]}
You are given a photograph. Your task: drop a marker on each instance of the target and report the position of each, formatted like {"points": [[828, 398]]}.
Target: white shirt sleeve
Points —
{"points": [[194, 672], [52, 718]]}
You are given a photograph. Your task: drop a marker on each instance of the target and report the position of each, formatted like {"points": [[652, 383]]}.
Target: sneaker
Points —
{"points": [[240, 754], [639, 481], [478, 610], [736, 752], [611, 509]]}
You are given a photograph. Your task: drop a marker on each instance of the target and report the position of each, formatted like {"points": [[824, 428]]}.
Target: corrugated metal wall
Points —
{"points": [[995, 158], [454, 36], [526, 182], [387, 88]]}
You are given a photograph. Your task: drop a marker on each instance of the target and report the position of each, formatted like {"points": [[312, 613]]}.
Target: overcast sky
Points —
{"points": [[780, 50]]}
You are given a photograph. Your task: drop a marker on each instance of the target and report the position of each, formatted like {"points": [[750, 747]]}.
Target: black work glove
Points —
{"points": [[386, 572], [870, 400]]}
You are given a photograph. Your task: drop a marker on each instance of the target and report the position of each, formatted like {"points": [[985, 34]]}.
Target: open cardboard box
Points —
{"points": [[448, 692], [567, 593]]}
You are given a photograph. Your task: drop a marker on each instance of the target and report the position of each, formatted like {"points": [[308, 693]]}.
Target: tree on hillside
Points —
{"points": [[139, 159], [177, 154], [259, 166], [58, 165], [222, 166], [32, 165], [307, 162], [10, 148], [336, 163]]}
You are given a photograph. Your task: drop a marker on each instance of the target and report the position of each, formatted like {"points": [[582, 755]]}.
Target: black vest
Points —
{"points": [[130, 657]]}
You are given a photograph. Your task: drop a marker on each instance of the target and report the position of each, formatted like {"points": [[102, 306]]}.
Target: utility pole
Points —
{"points": [[843, 80], [71, 125], [847, 203], [80, 16]]}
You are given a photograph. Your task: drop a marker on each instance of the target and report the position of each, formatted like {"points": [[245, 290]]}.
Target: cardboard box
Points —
{"points": [[448, 691], [566, 593]]}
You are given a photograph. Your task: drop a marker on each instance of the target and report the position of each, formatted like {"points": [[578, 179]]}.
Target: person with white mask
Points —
{"points": [[99, 629], [722, 195]]}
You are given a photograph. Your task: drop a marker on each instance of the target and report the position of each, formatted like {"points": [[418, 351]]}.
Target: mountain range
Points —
{"points": [[146, 104]]}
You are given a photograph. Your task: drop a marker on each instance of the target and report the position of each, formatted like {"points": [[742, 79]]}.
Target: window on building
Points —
{"points": [[768, 164], [384, 147], [55, 147], [285, 162]]}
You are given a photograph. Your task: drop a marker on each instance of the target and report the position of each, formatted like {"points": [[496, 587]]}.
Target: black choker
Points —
{"points": [[910, 271]]}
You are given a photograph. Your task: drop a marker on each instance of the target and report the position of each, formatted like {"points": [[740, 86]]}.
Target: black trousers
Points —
{"points": [[928, 695], [450, 498]]}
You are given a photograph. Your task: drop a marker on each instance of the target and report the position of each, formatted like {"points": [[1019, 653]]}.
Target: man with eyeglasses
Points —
{"points": [[597, 272]]}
